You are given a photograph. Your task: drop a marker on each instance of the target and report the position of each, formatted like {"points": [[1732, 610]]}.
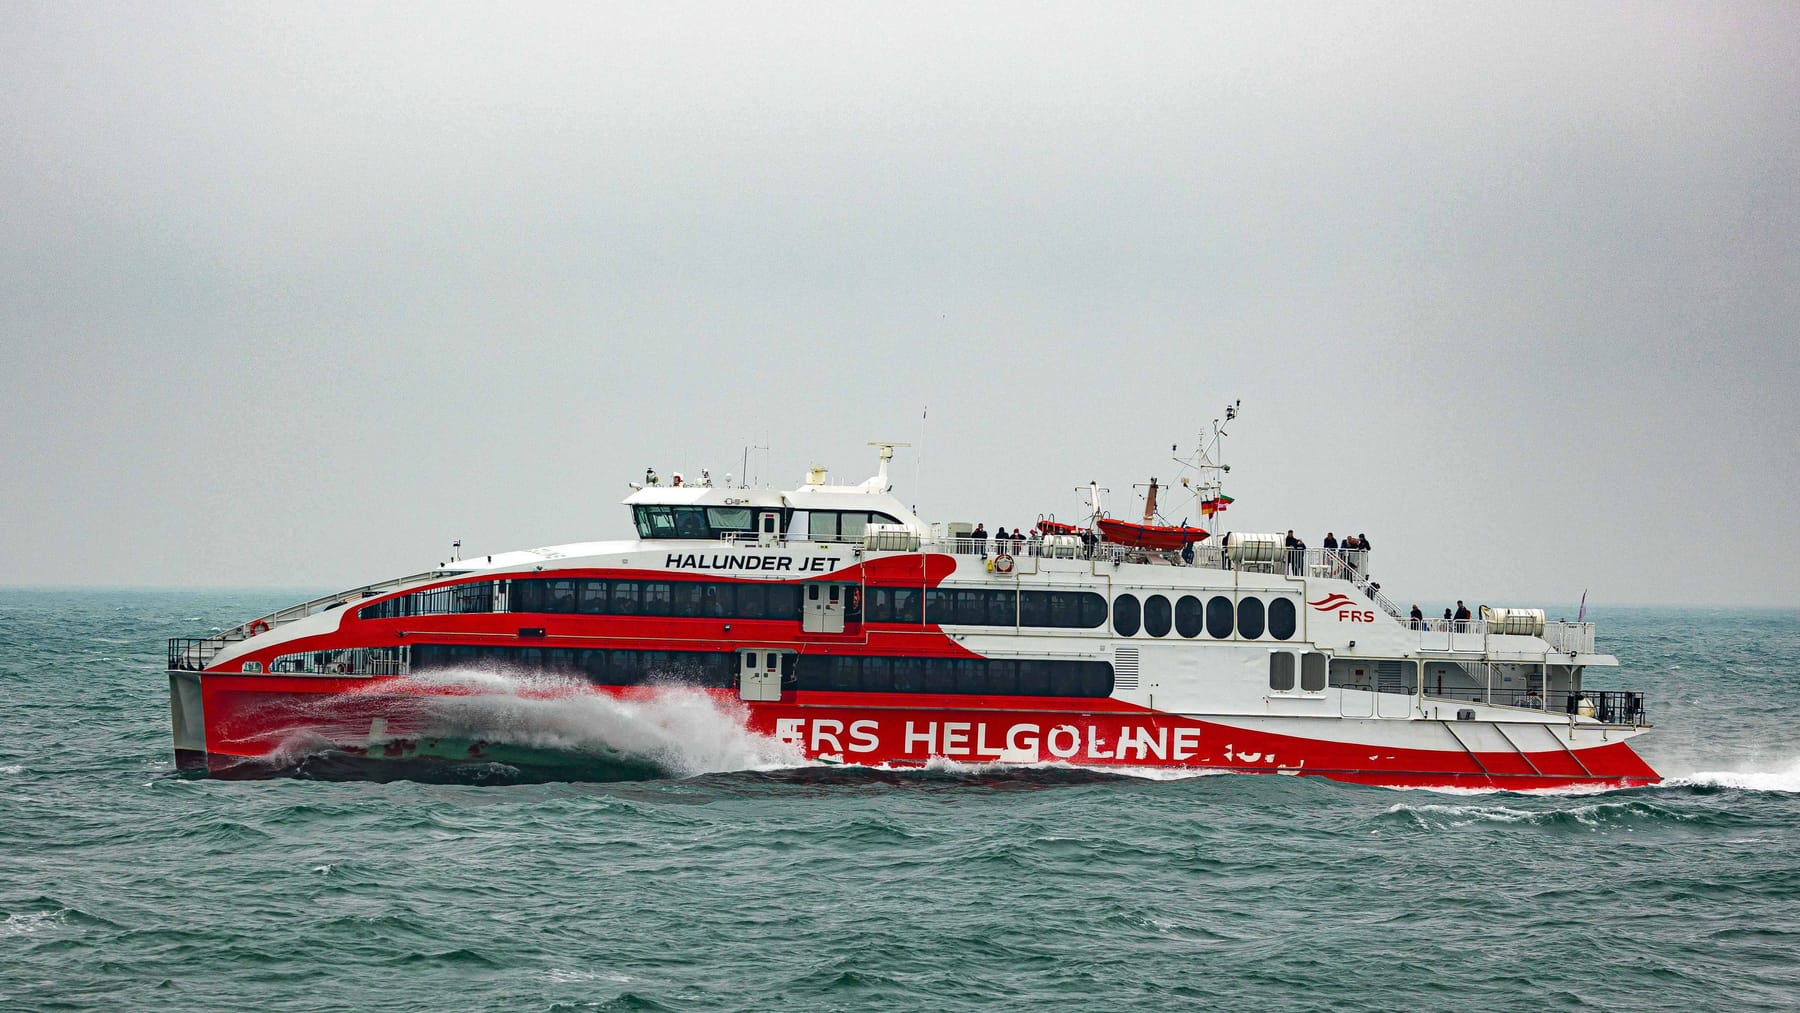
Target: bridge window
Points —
{"points": [[657, 520], [843, 525]]}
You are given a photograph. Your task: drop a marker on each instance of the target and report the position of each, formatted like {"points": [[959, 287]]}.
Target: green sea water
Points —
{"points": [[657, 859]]}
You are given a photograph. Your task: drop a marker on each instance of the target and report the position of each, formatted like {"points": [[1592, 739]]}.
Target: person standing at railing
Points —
{"points": [[979, 536], [1462, 617], [1418, 618], [1294, 554]]}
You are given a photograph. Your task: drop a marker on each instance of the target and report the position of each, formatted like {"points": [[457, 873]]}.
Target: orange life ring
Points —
{"points": [[258, 627], [1003, 563]]}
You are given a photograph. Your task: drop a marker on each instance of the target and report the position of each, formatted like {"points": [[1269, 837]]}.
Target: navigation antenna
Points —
{"points": [[881, 482], [1208, 464]]}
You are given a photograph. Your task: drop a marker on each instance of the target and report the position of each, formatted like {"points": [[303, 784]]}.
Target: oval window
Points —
{"points": [[1281, 618], [1219, 618], [1156, 615], [1188, 616], [1125, 615], [1250, 618]]}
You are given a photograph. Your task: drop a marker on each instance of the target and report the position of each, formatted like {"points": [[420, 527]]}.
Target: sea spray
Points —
{"points": [[681, 730]]}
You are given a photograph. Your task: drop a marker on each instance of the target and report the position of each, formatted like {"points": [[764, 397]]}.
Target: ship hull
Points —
{"points": [[240, 724]]}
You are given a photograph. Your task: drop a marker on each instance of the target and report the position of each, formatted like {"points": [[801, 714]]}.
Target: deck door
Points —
{"points": [[760, 673], [822, 608]]}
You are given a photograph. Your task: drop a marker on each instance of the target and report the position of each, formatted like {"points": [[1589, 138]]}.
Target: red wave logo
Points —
{"points": [[1332, 602]]}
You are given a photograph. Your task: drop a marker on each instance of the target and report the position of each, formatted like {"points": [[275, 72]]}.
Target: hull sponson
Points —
{"points": [[270, 718]]}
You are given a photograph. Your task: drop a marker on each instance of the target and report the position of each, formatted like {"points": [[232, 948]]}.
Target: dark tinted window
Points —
{"points": [[1281, 618], [1219, 617], [624, 597], [1188, 616], [1126, 615], [1250, 618], [1156, 615], [591, 599], [965, 676]]}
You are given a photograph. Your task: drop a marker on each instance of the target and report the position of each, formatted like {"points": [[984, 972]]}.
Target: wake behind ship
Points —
{"points": [[832, 618]]}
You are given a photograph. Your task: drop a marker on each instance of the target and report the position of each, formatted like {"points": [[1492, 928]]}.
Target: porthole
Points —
{"points": [[1250, 618], [1219, 617], [1188, 616], [1156, 615], [1125, 615], [1281, 618]]}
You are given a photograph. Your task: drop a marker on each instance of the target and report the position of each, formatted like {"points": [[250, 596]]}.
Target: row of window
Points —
{"points": [[476, 597], [689, 598], [1081, 610], [701, 522], [605, 667], [988, 676], [658, 520], [1249, 619], [735, 600], [601, 667]]}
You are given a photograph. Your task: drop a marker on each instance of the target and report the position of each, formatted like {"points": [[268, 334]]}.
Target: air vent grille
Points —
{"points": [[1125, 668]]}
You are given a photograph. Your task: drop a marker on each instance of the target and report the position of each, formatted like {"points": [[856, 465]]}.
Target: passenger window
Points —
{"points": [[1313, 666], [1281, 671], [1156, 615], [1126, 615]]}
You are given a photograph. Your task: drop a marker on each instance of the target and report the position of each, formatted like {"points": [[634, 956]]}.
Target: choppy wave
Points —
{"points": [[1785, 780], [1435, 815]]}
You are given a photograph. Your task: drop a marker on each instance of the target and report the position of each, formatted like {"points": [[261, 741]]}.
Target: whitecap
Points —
{"points": [[567, 976], [1786, 780], [27, 923]]}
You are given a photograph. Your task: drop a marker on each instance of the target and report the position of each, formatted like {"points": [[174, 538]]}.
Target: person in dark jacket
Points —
{"points": [[1418, 618]]}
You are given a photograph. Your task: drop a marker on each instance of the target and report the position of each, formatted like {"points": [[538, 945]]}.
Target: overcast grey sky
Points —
{"points": [[295, 294]]}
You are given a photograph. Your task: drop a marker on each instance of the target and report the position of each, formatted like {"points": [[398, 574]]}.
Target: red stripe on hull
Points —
{"points": [[269, 717]]}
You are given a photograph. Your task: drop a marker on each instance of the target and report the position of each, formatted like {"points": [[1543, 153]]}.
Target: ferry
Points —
{"points": [[833, 619]]}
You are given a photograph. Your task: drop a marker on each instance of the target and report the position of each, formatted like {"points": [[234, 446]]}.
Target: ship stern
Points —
{"points": [[187, 721]]}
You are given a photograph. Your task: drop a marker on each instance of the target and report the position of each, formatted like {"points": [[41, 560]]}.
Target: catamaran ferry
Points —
{"points": [[834, 619]]}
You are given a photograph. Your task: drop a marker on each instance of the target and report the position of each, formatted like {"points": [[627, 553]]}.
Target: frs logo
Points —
{"points": [[1343, 606]]}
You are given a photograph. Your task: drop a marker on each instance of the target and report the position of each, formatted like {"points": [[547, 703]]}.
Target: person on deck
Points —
{"points": [[1462, 616], [979, 536], [1418, 618]]}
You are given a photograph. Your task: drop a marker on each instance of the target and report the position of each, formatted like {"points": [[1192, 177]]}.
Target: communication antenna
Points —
{"points": [[745, 474], [919, 458]]}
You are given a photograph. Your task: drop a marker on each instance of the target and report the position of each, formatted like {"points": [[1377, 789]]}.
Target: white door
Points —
{"points": [[759, 675], [822, 608]]}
